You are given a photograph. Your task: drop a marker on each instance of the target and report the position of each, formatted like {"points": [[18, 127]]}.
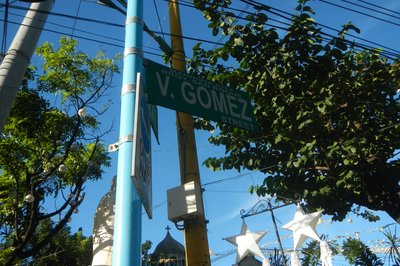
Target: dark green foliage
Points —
{"points": [[357, 253], [63, 249], [329, 113], [276, 259]]}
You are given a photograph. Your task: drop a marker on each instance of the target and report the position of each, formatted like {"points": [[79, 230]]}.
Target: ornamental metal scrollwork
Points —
{"points": [[260, 206]]}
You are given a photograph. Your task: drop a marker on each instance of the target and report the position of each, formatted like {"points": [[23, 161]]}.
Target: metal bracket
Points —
{"points": [[115, 146], [128, 88]]}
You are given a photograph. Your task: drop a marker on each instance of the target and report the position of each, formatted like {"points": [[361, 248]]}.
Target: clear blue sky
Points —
{"points": [[224, 200]]}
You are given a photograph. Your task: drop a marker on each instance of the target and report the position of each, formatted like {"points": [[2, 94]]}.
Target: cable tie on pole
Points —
{"points": [[133, 50], [126, 138], [17, 52], [128, 88], [134, 19]]}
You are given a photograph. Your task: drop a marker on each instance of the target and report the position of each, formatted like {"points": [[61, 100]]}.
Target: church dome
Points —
{"points": [[169, 247]]}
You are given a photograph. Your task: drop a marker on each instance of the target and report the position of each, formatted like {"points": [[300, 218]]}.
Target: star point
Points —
{"points": [[246, 242], [303, 226]]}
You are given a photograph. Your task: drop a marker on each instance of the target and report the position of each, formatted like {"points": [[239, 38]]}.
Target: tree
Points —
{"points": [[48, 153], [146, 246], [276, 259], [63, 249], [328, 111], [312, 252], [357, 253]]}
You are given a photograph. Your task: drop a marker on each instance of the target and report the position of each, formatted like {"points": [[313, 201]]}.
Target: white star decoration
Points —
{"points": [[246, 242], [303, 226]]}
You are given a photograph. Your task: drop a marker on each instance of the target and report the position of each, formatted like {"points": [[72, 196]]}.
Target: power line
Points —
{"points": [[71, 28], [86, 38], [115, 25], [360, 12], [185, 37], [254, 3], [5, 23], [77, 13], [380, 7], [391, 55], [371, 9], [277, 12], [158, 18]]}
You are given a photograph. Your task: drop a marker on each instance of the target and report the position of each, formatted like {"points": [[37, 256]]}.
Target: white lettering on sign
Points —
{"points": [[186, 93], [232, 106], [219, 102], [163, 85], [206, 104], [244, 110], [238, 123], [199, 92]]}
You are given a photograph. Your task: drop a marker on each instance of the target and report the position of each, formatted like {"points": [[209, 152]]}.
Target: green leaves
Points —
{"points": [[328, 112], [52, 151]]}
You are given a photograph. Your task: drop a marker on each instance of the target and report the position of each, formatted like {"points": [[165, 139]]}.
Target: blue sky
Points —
{"points": [[223, 201]]}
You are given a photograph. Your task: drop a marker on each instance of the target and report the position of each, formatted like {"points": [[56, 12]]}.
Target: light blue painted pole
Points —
{"points": [[128, 206]]}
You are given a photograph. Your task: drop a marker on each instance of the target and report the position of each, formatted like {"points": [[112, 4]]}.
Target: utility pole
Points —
{"points": [[196, 241], [16, 61], [128, 206]]}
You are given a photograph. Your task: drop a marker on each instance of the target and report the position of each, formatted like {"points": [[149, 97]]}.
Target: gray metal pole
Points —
{"points": [[16, 61]]}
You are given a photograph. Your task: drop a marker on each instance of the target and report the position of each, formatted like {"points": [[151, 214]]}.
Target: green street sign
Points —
{"points": [[186, 93]]}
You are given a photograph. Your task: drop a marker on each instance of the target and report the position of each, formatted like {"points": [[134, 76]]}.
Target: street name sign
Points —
{"points": [[186, 93], [141, 169]]}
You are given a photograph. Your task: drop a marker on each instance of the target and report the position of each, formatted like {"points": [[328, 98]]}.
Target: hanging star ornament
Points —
{"points": [[246, 242], [303, 226]]}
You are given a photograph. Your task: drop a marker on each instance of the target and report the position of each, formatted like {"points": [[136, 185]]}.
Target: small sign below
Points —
{"points": [[141, 169]]}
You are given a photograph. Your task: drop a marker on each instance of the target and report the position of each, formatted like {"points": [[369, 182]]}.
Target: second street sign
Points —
{"points": [[186, 93]]}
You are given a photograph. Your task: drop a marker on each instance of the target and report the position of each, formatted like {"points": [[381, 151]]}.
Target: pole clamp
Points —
{"points": [[115, 146], [128, 88], [133, 50], [134, 19]]}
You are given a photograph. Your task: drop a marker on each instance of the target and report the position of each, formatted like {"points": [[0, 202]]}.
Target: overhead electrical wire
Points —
{"points": [[86, 38], [277, 12], [371, 9], [363, 46], [391, 55], [360, 12], [158, 18], [5, 26], [378, 6], [75, 20], [384, 53], [71, 28]]}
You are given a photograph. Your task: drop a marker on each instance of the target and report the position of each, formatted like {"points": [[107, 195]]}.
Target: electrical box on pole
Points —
{"points": [[184, 202]]}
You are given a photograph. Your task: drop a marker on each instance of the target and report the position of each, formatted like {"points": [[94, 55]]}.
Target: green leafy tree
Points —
{"points": [[146, 259], [276, 259], [328, 111], [312, 252], [357, 253], [49, 152], [63, 249]]}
